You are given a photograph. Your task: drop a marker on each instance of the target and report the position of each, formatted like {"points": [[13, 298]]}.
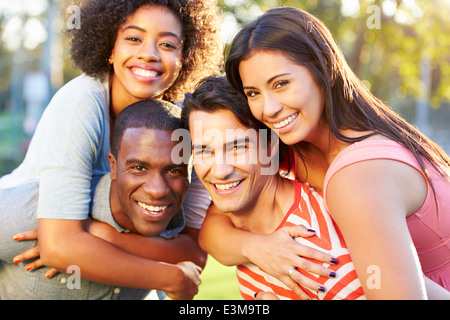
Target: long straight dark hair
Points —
{"points": [[348, 104]]}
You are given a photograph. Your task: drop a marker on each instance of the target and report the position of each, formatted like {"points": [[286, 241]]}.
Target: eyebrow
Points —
{"points": [[164, 33], [146, 164], [175, 166], [269, 81], [136, 161], [227, 145], [237, 141]]}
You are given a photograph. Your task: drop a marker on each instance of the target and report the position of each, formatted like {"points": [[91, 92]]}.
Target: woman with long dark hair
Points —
{"points": [[385, 184]]}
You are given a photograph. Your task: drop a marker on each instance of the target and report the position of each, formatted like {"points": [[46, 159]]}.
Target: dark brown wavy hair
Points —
{"points": [[92, 44], [215, 93], [348, 104]]}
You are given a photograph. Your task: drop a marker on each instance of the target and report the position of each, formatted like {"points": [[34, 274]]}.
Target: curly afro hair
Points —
{"points": [[92, 44]]}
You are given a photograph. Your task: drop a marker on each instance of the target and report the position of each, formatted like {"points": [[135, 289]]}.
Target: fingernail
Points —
{"points": [[334, 260], [16, 237], [333, 274], [321, 289], [256, 293], [28, 268], [16, 260], [311, 230], [47, 275]]}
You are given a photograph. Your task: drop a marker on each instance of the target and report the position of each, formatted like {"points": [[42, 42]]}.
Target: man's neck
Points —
{"points": [[269, 209]]}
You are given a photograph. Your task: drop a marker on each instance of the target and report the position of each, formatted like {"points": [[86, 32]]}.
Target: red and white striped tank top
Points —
{"points": [[308, 210]]}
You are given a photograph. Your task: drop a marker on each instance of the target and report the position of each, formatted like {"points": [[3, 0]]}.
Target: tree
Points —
{"points": [[381, 39]]}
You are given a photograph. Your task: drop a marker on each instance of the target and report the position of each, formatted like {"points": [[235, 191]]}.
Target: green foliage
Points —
{"points": [[384, 41]]}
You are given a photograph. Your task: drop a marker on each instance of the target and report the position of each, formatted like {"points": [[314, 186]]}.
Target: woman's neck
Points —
{"points": [[119, 101], [317, 155]]}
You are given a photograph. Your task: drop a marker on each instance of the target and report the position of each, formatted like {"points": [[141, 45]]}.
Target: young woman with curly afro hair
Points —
{"points": [[93, 43], [128, 51]]}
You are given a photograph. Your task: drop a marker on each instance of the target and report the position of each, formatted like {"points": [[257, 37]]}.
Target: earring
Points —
{"points": [[110, 61]]}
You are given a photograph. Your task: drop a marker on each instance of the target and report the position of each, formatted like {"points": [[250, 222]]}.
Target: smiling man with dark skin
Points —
{"points": [[141, 198], [152, 187]]}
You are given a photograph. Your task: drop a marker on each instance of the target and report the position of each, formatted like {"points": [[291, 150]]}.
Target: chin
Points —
{"points": [[290, 139], [227, 208], [152, 232], [146, 95]]}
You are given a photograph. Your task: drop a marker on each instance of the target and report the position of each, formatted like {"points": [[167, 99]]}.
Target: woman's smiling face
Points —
{"points": [[147, 55], [283, 95]]}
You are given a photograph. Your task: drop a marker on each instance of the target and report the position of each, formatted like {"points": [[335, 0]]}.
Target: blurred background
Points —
{"points": [[399, 48]]}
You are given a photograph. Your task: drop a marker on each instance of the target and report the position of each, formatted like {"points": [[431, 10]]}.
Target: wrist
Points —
{"points": [[249, 246], [173, 277]]}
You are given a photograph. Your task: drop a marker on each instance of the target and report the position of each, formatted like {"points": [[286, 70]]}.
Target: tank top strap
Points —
{"points": [[369, 150]]}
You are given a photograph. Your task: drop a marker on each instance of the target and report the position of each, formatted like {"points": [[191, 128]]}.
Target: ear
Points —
{"points": [[112, 165], [111, 57]]}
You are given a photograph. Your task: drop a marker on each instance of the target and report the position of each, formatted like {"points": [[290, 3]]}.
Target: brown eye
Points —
{"points": [[251, 94], [280, 84]]}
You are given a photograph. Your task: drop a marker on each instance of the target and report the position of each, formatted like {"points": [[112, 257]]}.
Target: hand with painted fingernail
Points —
{"points": [[33, 253], [279, 255]]}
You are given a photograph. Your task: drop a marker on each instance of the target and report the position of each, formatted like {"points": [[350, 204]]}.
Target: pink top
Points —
{"points": [[430, 225]]}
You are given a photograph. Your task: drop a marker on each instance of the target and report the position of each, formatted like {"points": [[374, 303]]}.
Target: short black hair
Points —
{"points": [[215, 93], [150, 114]]}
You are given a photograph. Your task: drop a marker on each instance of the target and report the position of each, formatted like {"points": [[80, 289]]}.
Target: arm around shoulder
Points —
{"points": [[184, 247], [108, 264], [222, 240]]}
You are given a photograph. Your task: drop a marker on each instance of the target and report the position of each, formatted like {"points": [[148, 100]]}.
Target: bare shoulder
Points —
{"points": [[377, 184]]}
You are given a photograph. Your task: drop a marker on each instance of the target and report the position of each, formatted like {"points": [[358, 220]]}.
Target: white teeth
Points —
{"points": [[145, 73], [285, 122], [152, 209], [228, 186]]}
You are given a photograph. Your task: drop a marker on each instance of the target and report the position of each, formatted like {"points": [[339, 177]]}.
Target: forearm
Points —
{"points": [[229, 250], [99, 260], [273, 253], [182, 248]]}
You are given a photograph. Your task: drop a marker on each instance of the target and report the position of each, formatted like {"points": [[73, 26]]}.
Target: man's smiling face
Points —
{"points": [[226, 159], [150, 187]]}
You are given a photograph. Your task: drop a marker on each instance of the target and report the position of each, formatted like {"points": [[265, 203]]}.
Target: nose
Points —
{"points": [[222, 169], [271, 106], [148, 52], [156, 186]]}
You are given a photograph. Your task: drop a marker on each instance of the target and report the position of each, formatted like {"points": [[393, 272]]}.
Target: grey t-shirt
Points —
{"points": [[18, 213]]}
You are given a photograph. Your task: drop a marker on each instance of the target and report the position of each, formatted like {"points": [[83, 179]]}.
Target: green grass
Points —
{"points": [[219, 282]]}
